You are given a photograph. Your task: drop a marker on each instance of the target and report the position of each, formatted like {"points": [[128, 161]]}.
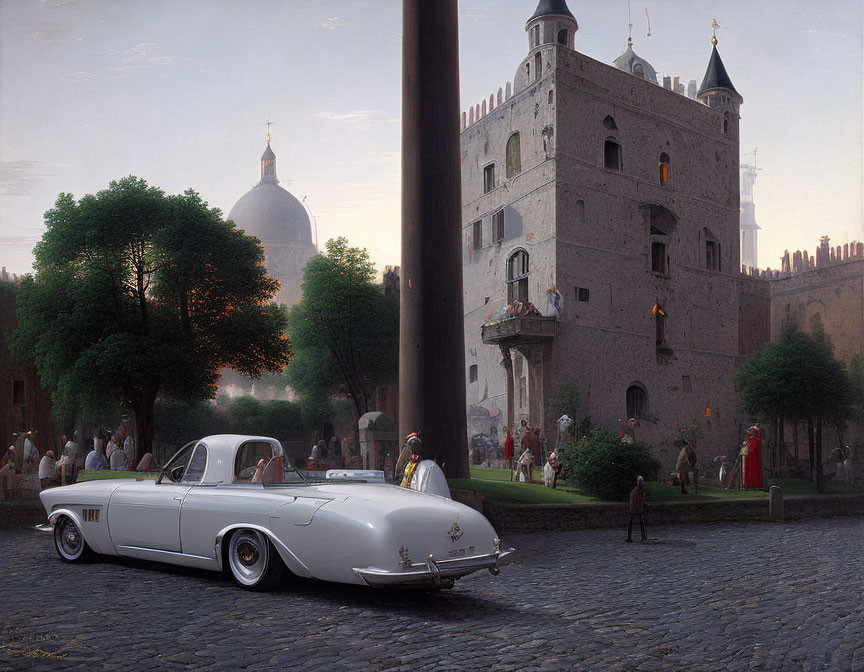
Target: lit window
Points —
{"points": [[665, 168]]}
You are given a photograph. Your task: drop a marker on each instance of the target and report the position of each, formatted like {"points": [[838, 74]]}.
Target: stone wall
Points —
{"points": [[535, 518]]}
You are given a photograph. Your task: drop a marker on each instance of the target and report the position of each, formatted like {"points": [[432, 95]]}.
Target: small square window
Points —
{"points": [[478, 235], [488, 178], [472, 374], [498, 226], [582, 294]]}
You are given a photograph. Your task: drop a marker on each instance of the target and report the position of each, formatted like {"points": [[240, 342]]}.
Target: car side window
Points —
{"points": [[248, 456], [195, 470], [176, 467]]}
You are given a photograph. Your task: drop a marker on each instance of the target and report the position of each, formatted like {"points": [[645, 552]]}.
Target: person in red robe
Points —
{"points": [[508, 452], [753, 459]]}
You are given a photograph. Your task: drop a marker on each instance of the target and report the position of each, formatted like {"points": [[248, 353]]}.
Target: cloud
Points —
{"points": [[334, 22], [19, 178], [81, 76], [138, 56], [360, 119]]}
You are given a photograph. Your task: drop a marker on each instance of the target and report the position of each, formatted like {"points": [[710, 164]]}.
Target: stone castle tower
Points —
{"points": [[610, 204]]}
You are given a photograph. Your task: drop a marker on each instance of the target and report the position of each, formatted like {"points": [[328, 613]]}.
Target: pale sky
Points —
{"points": [[177, 92]]}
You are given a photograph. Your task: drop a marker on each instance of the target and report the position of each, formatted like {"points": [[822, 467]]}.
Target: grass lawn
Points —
{"points": [[102, 474], [496, 485]]}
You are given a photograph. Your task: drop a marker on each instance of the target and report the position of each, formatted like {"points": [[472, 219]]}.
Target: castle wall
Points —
{"points": [[754, 316], [833, 294]]}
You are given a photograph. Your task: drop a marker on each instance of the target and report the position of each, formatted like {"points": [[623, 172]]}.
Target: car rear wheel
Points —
{"points": [[254, 563], [69, 542]]}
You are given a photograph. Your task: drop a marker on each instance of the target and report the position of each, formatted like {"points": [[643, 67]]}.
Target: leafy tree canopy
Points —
{"points": [[344, 332], [137, 294]]}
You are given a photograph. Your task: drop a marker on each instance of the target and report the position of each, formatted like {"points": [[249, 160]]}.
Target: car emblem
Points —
{"points": [[455, 532]]}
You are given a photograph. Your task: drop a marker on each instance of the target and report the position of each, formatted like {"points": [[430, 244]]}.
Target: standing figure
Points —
{"points": [[685, 464], [508, 452], [850, 467], [753, 459], [523, 465], [637, 508]]}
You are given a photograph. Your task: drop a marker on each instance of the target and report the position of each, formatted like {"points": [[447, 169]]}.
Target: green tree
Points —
{"points": [[798, 378], [344, 332], [138, 294]]}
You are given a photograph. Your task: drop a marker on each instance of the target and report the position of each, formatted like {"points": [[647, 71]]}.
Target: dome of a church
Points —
{"points": [[269, 212], [630, 62]]}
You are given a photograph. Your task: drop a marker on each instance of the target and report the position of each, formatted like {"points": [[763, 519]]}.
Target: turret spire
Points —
{"points": [[268, 160]]}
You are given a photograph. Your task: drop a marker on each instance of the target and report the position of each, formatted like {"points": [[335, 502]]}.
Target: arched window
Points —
{"points": [[609, 123], [517, 277], [538, 66], [611, 154], [580, 212], [514, 156], [637, 401], [665, 168], [535, 35], [563, 34]]}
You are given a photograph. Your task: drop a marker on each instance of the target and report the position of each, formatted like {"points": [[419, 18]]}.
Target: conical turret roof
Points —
{"points": [[716, 76], [547, 7]]}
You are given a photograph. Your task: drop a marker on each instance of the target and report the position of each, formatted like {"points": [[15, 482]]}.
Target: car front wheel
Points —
{"points": [[69, 542], [253, 561]]}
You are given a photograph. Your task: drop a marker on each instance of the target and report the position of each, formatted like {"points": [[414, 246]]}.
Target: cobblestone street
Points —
{"points": [[715, 597]]}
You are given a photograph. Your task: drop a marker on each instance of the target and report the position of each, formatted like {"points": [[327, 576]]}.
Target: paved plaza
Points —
{"points": [[714, 597]]}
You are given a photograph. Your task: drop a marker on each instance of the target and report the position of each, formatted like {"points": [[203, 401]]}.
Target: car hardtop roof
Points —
{"points": [[221, 450]]}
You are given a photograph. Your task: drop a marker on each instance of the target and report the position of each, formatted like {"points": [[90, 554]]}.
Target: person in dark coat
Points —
{"points": [[637, 508]]}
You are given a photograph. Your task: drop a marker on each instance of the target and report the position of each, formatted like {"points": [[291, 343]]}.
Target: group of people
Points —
{"points": [[334, 454], [24, 457], [531, 449]]}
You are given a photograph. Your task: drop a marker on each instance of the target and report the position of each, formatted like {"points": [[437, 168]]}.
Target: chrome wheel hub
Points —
{"points": [[248, 555]]}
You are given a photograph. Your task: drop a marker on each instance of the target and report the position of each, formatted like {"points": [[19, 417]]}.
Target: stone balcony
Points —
{"points": [[519, 329]]}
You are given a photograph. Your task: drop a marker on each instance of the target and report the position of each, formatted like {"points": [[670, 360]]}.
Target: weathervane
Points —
{"points": [[267, 124], [629, 25], [715, 26]]}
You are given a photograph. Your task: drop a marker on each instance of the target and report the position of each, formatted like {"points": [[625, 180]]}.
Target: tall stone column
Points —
{"points": [[507, 363], [431, 338]]}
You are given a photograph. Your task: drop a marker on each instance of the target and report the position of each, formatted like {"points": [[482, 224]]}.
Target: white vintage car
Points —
{"points": [[236, 502]]}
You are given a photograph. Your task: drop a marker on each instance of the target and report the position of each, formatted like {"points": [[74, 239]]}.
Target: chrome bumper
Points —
{"points": [[432, 571]]}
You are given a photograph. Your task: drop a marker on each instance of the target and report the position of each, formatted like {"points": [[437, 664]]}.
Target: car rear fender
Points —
{"points": [[292, 562]]}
